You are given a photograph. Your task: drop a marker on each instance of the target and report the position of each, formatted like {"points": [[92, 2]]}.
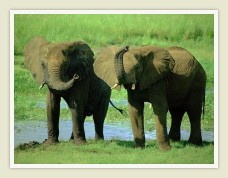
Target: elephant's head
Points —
{"points": [[58, 64], [138, 67]]}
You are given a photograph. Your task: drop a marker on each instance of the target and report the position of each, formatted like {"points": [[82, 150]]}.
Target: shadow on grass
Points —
{"points": [[182, 144], [125, 143], [121, 143], [153, 144]]}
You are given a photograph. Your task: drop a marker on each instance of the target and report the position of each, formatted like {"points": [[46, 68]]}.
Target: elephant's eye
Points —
{"points": [[42, 64]]}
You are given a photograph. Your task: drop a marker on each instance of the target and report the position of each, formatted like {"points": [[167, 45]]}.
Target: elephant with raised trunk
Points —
{"points": [[67, 69], [170, 79]]}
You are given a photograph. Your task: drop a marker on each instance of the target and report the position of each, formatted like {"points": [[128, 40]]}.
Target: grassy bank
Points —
{"points": [[115, 152], [194, 32]]}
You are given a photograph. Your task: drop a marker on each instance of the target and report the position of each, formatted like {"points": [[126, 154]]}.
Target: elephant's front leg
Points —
{"points": [[160, 108], [53, 109], [135, 109], [77, 121], [161, 128], [78, 126]]}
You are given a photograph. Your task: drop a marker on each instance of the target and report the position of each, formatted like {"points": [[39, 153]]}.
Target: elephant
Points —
{"points": [[171, 79], [67, 70]]}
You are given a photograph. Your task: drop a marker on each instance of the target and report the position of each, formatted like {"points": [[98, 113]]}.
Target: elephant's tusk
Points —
{"points": [[76, 76], [116, 86], [41, 86], [133, 86]]}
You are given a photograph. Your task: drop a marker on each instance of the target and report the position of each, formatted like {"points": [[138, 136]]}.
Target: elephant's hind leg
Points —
{"points": [[98, 119], [194, 110], [195, 120], [176, 116], [99, 126], [99, 116]]}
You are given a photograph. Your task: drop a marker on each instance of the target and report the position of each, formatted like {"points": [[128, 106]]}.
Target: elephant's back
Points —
{"points": [[185, 62]]}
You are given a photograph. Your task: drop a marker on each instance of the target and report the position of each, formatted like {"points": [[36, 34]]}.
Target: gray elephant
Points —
{"points": [[170, 79], [67, 69]]}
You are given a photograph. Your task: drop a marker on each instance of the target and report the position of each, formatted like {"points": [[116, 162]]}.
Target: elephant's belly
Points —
{"points": [[177, 98], [176, 102], [140, 96], [178, 91], [88, 112]]}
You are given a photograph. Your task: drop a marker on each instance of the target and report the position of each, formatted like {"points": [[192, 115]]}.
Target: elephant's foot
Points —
{"points": [[139, 142], [79, 141], [99, 138], [140, 146], [50, 141], [174, 135], [72, 136], [165, 146], [195, 141]]}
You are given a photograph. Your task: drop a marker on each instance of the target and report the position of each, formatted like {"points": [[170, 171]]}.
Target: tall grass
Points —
{"points": [[121, 29]]}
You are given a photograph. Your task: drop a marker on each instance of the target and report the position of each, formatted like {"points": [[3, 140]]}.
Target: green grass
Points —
{"points": [[102, 30], [115, 152], [193, 32]]}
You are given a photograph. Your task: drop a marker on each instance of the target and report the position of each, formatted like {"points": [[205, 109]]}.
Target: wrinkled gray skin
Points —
{"points": [[170, 79], [67, 70]]}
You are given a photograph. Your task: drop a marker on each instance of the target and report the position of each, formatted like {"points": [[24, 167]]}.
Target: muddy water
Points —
{"points": [[26, 131]]}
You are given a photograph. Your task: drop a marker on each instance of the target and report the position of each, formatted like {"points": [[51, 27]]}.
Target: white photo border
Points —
{"points": [[14, 12]]}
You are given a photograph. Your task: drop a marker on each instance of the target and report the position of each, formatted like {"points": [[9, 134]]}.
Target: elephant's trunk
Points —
{"points": [[55, 82], [118, 64]]}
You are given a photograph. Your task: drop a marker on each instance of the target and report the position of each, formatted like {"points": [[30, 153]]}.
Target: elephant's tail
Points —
{"points": [[203, 109], [120, 110], [203, 104]]}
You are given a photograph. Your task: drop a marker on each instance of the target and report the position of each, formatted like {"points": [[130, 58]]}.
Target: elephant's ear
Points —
{"points": [[157, 64], [85, 53], [104, 65], [33, 57], [79, 51], [80, 57]]}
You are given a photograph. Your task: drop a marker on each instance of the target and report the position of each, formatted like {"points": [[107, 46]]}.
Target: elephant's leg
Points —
{"points": [[72, 133], [99, 125], [53, 109], [77, 120], [100, 114], [195, 121], [176, 116], [78, 127], [194, 110], [161, 128], [160, 108], [135, 109]]}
